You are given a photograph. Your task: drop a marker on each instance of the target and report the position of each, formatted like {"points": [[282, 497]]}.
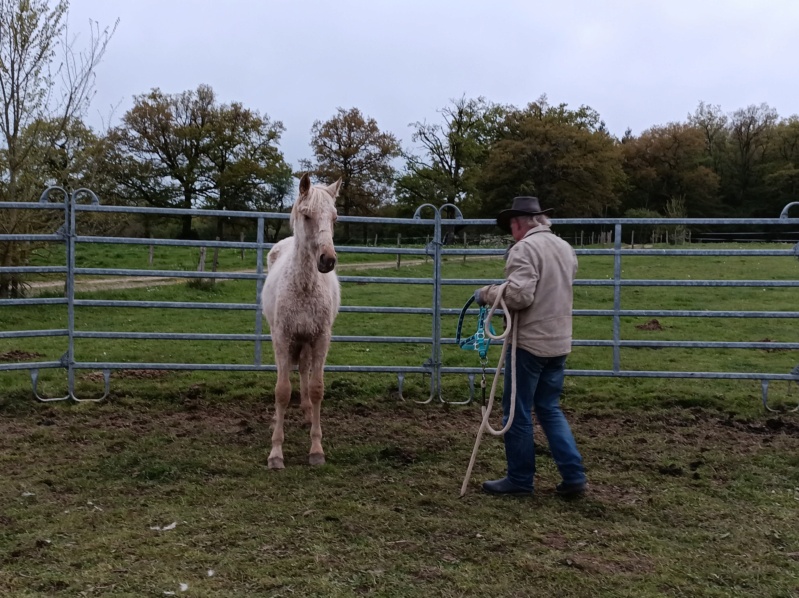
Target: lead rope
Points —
{"points": [[486, 409]]}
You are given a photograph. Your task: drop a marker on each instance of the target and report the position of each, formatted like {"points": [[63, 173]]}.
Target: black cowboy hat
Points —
{"points": [[522, 206]]}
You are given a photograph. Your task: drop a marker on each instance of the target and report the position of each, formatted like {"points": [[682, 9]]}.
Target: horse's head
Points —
{"points": [[312, 220]]}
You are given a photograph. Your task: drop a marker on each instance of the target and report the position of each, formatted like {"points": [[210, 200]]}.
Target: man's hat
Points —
{"points": [[522, 206]]}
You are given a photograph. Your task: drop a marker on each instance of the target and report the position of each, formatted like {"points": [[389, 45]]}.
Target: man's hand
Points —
{"points": [[478, 298]]}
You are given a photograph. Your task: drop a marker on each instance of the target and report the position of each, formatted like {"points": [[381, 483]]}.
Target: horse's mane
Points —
{"points": [[312, 202]]}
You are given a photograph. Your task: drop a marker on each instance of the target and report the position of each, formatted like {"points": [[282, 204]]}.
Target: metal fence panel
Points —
{"points": [[434, 367]]}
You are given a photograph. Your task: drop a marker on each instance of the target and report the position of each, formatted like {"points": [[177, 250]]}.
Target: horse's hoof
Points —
{"points": [[275, 463], [316, 459]]}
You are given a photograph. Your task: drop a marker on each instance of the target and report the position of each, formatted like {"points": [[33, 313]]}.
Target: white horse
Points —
{"points": [[300, 299]]}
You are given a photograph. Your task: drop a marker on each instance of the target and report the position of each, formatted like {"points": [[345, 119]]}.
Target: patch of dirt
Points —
{"points": [[429, 573], [614, 495], [16, 355], [575, 558], [671, 469], [439, 432], [650, 325], [556, 541], [685, 425], [594, 564], [128, 375], [767, 427], [768, 340], [398, 455]]}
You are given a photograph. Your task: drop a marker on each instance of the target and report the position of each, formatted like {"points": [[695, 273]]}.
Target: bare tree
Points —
{"points": [[712, 122], [452, 152], [44, 78], [751, 129]]}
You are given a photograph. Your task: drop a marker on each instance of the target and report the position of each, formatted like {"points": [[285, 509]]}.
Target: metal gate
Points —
{"points": [[68, 205]]}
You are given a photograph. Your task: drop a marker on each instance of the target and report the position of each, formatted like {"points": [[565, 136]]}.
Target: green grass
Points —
{"points": [[97, 255], [694, 490], [683, 502], [594, 267]]}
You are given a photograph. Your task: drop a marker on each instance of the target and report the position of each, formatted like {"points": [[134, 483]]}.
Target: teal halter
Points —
{"points": [[478, 341]]}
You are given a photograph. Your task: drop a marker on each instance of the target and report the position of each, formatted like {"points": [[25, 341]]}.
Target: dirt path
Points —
{"points": [[137, 282]]}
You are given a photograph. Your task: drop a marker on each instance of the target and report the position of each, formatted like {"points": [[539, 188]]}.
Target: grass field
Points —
{"points": [[104, 255], [694, 490]]}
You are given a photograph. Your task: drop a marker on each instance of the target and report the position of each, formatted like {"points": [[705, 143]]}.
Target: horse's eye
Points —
{"points": [[307, 218]]}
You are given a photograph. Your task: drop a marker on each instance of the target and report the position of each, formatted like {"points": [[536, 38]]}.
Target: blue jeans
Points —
{"points": [[539, 383]]}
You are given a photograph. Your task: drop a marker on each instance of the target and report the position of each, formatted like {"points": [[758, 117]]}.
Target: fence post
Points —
{"points": [[465, 246], [435, 361], [216, 257], [259, 269], [241, 239], [71, 225], [617, 298], [399, 255], [201, 262], [152, 251]]}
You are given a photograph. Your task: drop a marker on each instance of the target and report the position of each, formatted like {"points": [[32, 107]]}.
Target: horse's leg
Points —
{"points": [[305, 383], [282, 398], [316, 390]]}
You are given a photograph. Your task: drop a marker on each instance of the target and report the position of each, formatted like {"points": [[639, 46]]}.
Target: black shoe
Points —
{"points": [[505, 486], [570, 490]]}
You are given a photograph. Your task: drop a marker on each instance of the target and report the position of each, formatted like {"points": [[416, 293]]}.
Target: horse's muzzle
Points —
{"points": [[326, 263]]}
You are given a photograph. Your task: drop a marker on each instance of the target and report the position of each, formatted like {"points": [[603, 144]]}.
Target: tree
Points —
{"points": [[564, 156], [160, 148], [782, 178], [45, 83], [137, 178], [351, 146], [712, 123], [452, 153], [666, 162], [751, 132], [244, 157], [641, 232], [274, 196], [70, 155], [186, 150], [32, 95]]}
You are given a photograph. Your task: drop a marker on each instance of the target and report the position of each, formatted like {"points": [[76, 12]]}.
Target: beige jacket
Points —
{"points": [[540, 270]]}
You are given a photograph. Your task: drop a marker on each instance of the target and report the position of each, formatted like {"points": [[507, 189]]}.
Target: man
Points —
{"points": [[540, 270]]}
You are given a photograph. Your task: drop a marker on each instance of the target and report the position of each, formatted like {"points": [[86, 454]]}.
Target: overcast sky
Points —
{"points": [[639, 63]]}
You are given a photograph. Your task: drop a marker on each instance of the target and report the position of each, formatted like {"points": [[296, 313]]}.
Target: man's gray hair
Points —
{"points": [[533, 221]]}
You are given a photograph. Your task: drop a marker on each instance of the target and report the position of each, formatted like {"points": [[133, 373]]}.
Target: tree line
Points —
{"points": [[188, 149]]}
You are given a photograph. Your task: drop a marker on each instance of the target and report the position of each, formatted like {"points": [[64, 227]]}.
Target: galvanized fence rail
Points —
{"points": [[70, 205]]}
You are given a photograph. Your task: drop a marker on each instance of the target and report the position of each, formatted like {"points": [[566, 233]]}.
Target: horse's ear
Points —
{"points": [[333, 189], [305, 184]]}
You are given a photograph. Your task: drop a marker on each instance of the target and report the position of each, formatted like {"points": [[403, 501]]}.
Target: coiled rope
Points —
{"points": [[510, 331]]}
